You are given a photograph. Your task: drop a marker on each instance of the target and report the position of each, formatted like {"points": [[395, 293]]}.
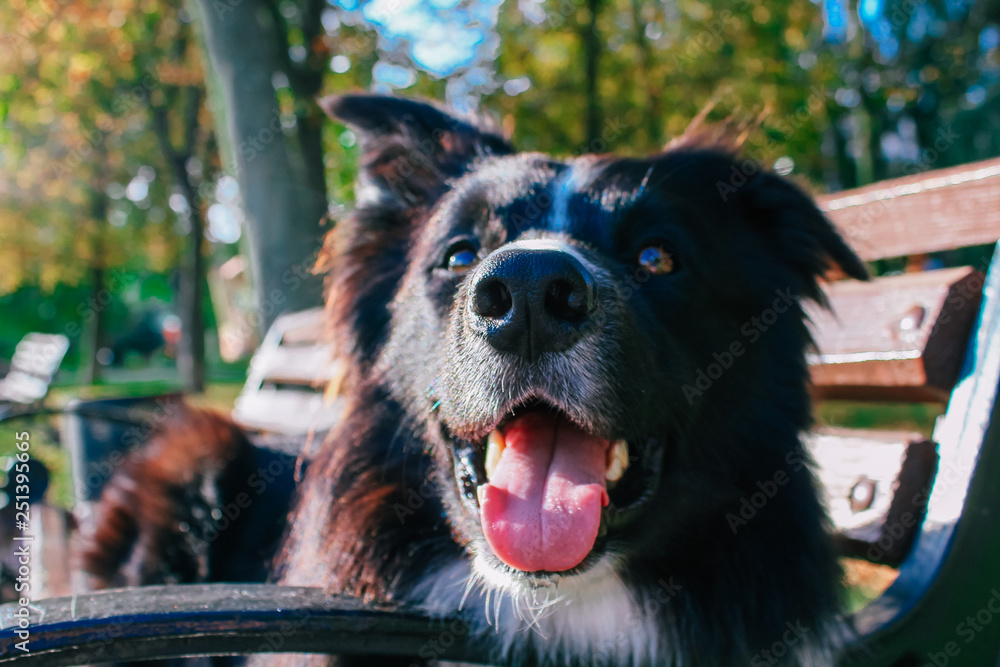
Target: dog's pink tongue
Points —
{"points": [[541, 509]]}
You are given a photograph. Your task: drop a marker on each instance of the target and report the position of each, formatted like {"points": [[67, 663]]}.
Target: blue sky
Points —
{"points": [[443, 35]]}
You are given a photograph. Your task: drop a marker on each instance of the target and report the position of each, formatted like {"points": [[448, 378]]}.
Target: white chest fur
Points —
{"points": [[590, 618]]}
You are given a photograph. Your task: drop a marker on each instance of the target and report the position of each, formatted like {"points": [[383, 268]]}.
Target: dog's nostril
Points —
{"points": [[568, 302], [492, 299]]}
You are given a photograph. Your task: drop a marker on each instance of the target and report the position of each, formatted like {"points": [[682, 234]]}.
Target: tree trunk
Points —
{"points": [[654, 108], [191, 274], [282, 204], [191, 351], [93, 332], [591, 53]]}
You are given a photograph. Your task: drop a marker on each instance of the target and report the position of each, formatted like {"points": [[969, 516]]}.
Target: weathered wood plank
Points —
{"points": [[894, 338], [309, 365], [926, 212], [40, 354], [283, 391], [36, 359], [875, 485], [285, 410]]}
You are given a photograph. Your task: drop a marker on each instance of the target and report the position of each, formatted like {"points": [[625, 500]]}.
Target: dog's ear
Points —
{"points": [[410, 149], [800, 234]]}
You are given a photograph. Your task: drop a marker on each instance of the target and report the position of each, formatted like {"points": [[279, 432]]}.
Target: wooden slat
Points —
{"points": [[875, 485], [926, 212], [285, 410], [895, 338], [21, 387], [37, 357], [304, 328], [308, 365], [40, 354], [283, 392]]}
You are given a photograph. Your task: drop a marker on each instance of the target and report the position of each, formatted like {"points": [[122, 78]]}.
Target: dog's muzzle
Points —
{"points": [[532, 297]]}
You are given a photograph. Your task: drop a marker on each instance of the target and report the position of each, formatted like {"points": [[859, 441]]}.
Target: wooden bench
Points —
{"points": [[284, 392], [927, 503], [36, 359], [932, 336]]}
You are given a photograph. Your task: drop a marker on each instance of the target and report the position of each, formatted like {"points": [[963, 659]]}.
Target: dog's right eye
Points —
{"points": [[657, 258], [461, 257]]}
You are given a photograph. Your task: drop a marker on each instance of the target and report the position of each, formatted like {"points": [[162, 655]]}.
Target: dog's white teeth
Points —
{"points": [[495, 445], [617, 461], [481, 493]]}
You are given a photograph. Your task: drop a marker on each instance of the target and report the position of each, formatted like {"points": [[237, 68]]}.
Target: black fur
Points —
{"points": [[427, 388], [701, 370]]}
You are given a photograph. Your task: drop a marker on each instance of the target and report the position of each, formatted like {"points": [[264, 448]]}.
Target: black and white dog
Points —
{"points": [[525, 441]]}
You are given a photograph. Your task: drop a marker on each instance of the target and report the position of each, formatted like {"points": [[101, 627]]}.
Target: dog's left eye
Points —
{"points": [[461, 258], [657, 259]]}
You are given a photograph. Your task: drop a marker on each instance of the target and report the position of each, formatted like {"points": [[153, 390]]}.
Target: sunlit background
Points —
{"points": [[166, 175]]}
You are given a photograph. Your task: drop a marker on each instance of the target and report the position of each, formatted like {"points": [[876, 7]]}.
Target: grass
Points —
{"points": [[917, 417], [865, 581]]}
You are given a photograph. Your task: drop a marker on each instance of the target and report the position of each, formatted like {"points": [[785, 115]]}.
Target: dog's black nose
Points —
{"points": [[528, 298]]}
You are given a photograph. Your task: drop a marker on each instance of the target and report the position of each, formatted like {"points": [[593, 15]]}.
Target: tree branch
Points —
{"points": [[191, 125]]}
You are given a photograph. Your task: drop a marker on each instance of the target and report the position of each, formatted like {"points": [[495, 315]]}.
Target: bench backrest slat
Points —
{"points": [[940, 210], [894, 338], [36, 359], [284, 389]]}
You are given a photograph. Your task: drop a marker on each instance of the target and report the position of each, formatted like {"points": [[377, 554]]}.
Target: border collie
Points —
{"points": [[560, 395]]}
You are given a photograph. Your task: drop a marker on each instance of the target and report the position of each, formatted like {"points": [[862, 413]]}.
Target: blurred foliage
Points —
{"points": [[896, 87], [845, 93], [83, 179], [662, 64]]}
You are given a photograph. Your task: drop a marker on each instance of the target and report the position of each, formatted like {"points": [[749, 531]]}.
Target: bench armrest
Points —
{"points": [[212, 619]]}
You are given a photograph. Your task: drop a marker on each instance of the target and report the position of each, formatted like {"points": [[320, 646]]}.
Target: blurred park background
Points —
{"points": [[166, 175]]}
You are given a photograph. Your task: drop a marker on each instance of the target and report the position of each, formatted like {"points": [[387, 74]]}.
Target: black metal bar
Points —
{"points": [[117, 415], [214, 619]]}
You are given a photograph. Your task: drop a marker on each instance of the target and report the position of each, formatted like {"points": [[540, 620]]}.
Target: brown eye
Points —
{"points": [[656, 259], [461, 259]]}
